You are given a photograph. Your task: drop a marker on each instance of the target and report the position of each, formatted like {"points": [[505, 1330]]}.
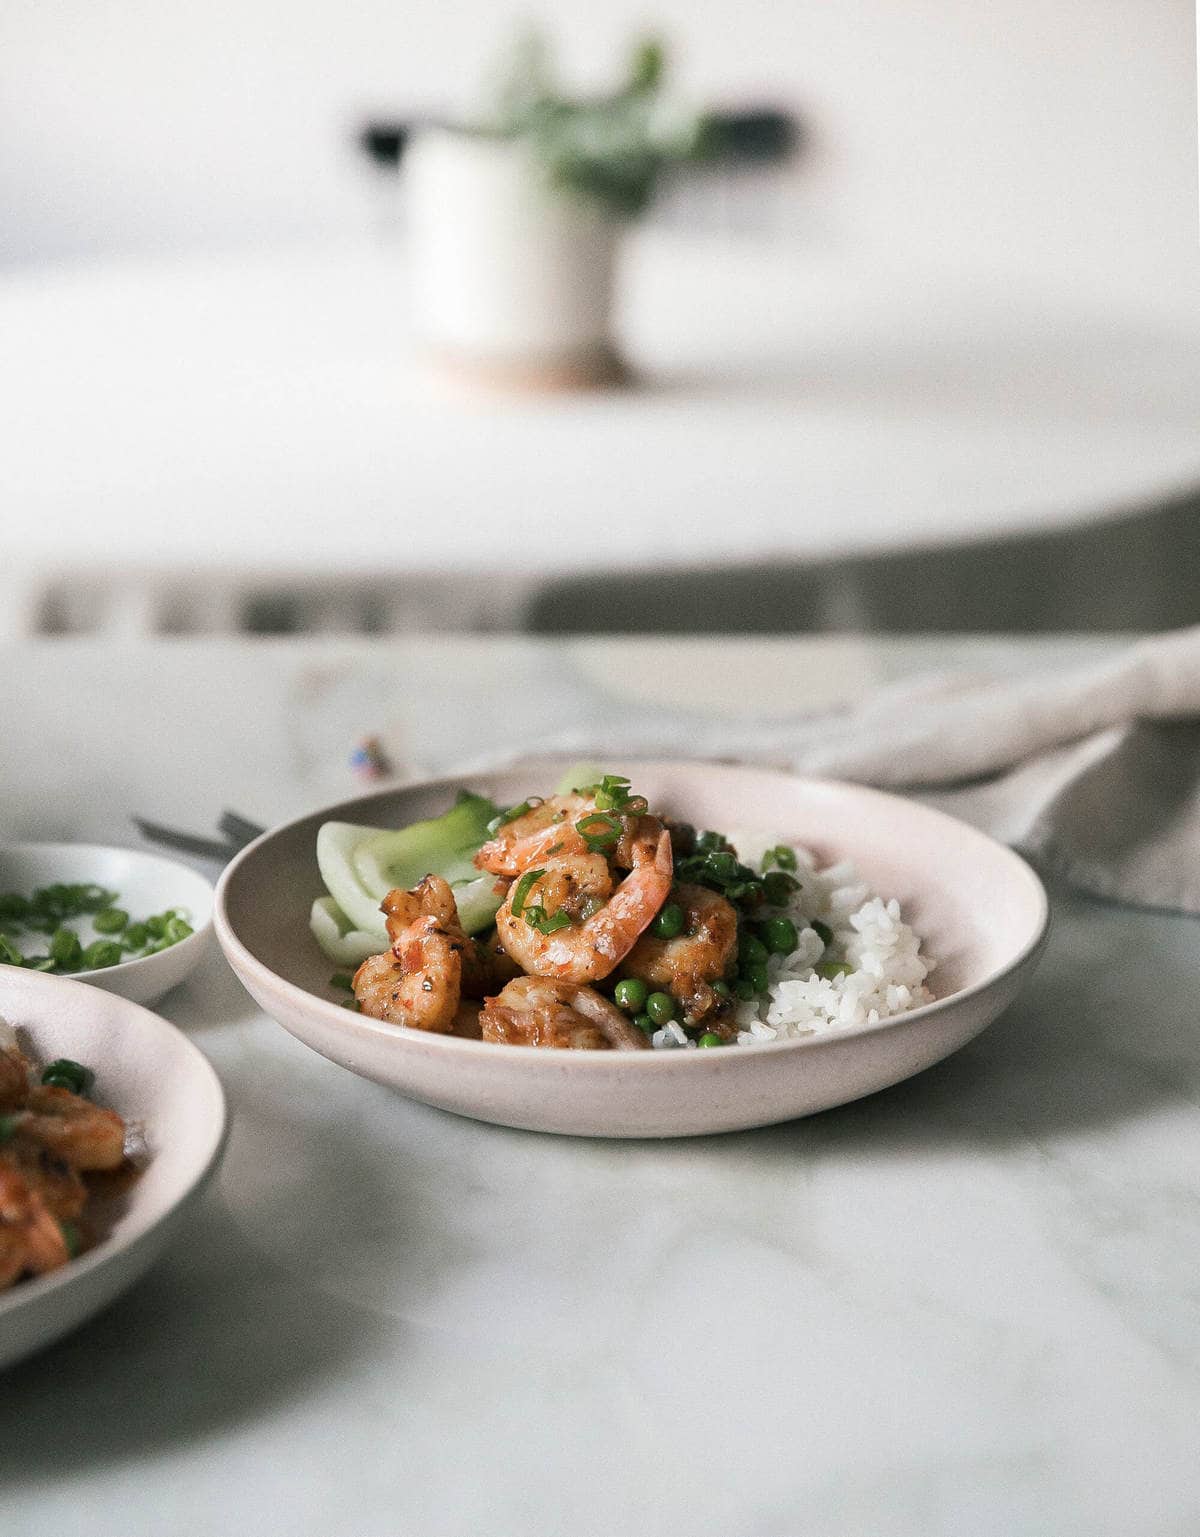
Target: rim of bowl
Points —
{"points": [[123, 968], [602, 1061], [111, 1245]]}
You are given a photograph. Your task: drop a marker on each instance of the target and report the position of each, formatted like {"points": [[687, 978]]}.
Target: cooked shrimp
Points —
{"points": [[14, 1079], [588, 949], [420, 982], [30, 1238], [70, 1127], [60, 1187], [528, 839], [701, 955], [535, 1011]]}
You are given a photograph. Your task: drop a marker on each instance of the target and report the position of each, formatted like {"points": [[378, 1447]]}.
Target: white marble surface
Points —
{"points": [[965, 1306]]}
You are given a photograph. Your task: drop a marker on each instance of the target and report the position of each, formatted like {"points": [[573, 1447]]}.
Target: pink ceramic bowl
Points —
{"points": [[980, 909]]}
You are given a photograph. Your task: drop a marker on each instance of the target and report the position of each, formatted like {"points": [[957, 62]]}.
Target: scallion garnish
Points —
{"points": [[599, 832], [524, 886]]}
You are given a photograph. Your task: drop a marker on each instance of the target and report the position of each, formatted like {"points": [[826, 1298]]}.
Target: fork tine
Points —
{"points": [[186, 843], [240, 829]]}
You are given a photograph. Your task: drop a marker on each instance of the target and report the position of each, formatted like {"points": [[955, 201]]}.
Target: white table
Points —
{"points": [[266, 417], [966, 1305]]}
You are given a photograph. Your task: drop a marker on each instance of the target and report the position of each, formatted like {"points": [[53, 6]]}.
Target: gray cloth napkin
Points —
{"points": [[1093, 773]]}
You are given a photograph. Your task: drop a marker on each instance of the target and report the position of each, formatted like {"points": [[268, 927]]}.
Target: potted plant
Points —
{"points": [[515, 221]]}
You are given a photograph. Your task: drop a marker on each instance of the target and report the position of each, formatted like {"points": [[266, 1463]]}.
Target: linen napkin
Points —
{"points": [[1092, 772]]}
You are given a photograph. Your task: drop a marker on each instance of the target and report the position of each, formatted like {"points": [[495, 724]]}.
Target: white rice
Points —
{"points": [[887, 970]]}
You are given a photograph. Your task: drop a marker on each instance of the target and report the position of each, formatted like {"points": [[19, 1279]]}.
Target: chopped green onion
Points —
{"points": [[351, 1004], [598, 831], [135, 936], [709, 1039], [744, 989], [9, 954], [779, 887], [511, 815], [630, 994], [343, 981], [9, 1125], [177, 929], [538, 918], [13, 907], [157, 925], [590, 907], [110, 920], [68, 1075], [39, 963], [100, 954], [524, 886], [71, 1237], [822, 930], [65, 949]]}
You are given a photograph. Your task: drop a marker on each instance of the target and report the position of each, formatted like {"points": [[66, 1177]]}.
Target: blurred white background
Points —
{"points": [[963, 321], [1053, 138]]}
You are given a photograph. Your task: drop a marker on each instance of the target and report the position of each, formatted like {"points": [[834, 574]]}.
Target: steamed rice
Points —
{"points": [[887, 969]]}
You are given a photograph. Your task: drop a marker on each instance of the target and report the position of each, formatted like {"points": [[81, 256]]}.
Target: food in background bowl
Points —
{"points": [[586, 921], [58, 1153]]}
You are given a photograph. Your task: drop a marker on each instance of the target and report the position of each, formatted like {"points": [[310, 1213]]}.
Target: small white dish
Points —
{"points": [[980, 909], [150, 1073], [145, 883]]}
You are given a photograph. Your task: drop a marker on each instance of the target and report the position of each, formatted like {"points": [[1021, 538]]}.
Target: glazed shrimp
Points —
{"points": [[419, 983], [685, 967], [30, 1238], [590, 946], [528, 839], [71, 1128], [536, 1011], [14, 1079]]}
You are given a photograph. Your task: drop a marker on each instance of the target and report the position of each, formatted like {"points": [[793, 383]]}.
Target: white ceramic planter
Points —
{"points": [[508, 277]]}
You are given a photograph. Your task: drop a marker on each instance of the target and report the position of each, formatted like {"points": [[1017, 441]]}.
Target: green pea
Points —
{"points": [[100, 954], [831, 970], [9, 1125], [709, 1039], [744, 989], [630, 994], [9, 954], [110, 920], [176, 929], [751, 952], [780, 936], [822, 930], [668, 923], [68, 1075], [65, 949], [756, 975], [644, 1022], [722, 989], [135, 936], [661, 1008], [779, 887]]}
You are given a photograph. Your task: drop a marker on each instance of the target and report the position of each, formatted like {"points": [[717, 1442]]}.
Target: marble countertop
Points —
{"points": [[967, 1305]]}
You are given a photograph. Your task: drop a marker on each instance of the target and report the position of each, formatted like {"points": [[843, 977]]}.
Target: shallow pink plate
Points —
{"points": [[979, 907]]}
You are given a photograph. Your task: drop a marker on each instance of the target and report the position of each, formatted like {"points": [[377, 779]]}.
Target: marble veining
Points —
{"points": [[965, 1306]]}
